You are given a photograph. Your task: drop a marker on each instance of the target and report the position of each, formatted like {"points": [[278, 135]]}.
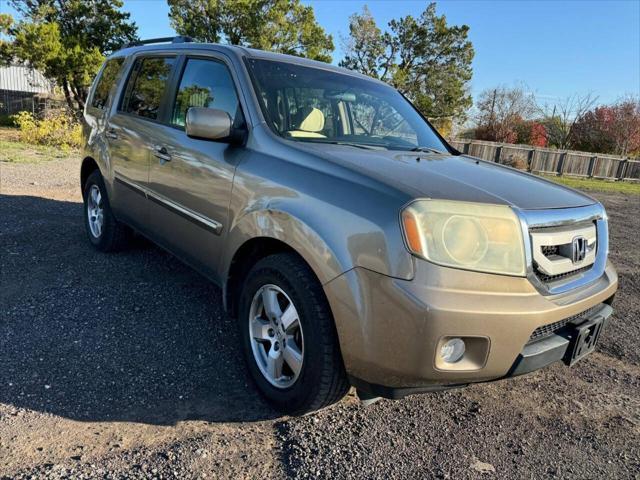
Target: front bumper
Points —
{"points": [[391, 330], [554, 347]]}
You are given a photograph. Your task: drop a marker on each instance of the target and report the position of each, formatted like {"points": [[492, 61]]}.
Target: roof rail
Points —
{"points": [[178, 39]]}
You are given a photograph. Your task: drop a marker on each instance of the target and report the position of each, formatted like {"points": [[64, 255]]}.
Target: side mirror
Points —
{"points": [[210, 124]]}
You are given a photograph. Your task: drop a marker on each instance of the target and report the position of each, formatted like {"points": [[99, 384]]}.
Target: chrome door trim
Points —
{"points": [[186, 213], [129, 184]]}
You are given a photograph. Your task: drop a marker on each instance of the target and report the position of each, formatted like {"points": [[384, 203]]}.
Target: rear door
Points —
{"points": [[190, 182], [97, 111], [131, 134]]}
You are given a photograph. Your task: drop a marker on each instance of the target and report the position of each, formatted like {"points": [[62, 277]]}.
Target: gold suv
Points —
{"points": [[353, 244]]}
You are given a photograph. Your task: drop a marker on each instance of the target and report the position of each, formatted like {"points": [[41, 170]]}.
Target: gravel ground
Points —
{"points": [[125, 366]]}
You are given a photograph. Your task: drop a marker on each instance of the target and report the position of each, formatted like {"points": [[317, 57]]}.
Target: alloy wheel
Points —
{"points": [[95, 212], [276, 336]]}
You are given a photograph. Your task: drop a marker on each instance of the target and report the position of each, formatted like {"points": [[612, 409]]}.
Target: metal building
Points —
{"points": [[22, 88]]}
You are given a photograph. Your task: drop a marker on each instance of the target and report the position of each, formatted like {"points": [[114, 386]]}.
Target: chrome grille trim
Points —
{"points": [[562, 217]]}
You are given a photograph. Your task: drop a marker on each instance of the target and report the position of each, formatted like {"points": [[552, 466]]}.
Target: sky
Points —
{"points": [[556, 48]]}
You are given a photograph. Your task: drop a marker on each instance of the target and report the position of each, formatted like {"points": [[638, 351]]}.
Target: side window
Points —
{"points": [[106, 82], [146, 86], [204, 83]]}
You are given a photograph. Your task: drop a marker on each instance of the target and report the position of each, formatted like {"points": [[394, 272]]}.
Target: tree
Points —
{"points": [[426, 59], [502, 112], [625, 129], [531, 132], [538, 135], [610, 128], [369, 50], [67, 40], [6, 21], [283, 26], [590, 132], [561, 119]]}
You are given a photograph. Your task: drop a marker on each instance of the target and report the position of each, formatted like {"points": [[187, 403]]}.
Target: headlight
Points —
{"points": [[472, 236]]}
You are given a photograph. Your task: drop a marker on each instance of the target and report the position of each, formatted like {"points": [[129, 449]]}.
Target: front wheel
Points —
{"points": [[289, 337]]}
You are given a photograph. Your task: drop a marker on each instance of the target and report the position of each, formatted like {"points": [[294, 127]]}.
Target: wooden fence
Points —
{"points": [[553, 162]]}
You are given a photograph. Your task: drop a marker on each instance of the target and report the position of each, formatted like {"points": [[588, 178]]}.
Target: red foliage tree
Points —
{"points": [[538, 136], [610, 129], [590, 133], [531, 132]]}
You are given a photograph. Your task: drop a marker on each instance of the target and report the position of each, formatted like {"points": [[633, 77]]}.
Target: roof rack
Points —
{"points": [[178, 39]]}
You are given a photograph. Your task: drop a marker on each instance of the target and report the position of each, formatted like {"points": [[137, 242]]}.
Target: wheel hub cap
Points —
{"points": [[276, 336], [95, 213]]}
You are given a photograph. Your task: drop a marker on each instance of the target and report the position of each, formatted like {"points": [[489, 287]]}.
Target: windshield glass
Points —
{"points": [[316, 105]]}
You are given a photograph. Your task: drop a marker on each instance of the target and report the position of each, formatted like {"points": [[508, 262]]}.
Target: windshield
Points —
{"points": [[316, 105]]}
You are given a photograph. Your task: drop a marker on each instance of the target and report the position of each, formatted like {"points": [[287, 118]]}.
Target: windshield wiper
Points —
{"points": [[364, 146], [426, 149]]}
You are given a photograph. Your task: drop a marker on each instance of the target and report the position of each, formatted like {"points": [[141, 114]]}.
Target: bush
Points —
{"points": [[56, 130], [7, 121], [515, 161]]}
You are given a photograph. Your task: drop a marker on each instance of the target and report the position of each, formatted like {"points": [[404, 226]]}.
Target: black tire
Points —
{"points": [[322, 380], [114, 235]]}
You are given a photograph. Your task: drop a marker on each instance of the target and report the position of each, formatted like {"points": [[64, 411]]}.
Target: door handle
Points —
{"points": [[111, 133], [161, 153]]}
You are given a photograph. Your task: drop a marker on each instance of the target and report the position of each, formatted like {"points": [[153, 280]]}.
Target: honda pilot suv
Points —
{"points": [[353, 244]]}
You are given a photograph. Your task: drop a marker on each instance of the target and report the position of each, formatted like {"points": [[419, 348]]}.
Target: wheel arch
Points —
{"points": [[89, 165], [249, 253], [268, 232]]}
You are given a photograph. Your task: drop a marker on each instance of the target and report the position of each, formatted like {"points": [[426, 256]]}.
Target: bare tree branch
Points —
{"points": [[562, 117]]}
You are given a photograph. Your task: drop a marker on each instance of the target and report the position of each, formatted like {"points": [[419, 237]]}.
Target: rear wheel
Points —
{"points": [[104, 231], [289, 337]]}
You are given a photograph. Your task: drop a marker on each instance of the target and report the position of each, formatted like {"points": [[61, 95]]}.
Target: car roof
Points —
{"points": [[238, 52]]}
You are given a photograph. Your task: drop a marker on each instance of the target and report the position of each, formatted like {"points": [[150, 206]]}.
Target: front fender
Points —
{"points": [[288, 228], [332, 216], [330, 238]]}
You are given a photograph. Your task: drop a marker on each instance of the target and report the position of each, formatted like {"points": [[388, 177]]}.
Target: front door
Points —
{"points": [[190, 179], [131, 133]]}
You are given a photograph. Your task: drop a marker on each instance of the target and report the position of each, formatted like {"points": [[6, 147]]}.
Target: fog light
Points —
{"points": [[452, 350]]}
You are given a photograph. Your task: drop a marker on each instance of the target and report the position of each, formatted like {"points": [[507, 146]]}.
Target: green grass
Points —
{"points": [[594, 184], [18, 152]]}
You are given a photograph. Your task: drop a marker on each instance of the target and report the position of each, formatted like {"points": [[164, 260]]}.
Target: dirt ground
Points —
{"points": [[125, 366]]}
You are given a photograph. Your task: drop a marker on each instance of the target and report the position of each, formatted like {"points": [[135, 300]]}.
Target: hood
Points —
{"points": [[452, 177]]}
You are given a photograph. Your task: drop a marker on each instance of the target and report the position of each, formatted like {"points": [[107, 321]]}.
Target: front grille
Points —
{"points": [[554, 278], [552, 251], [557, 262], [547, 330]]}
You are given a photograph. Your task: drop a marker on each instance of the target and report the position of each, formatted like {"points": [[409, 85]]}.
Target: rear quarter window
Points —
{"points": [[106, 82]]}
